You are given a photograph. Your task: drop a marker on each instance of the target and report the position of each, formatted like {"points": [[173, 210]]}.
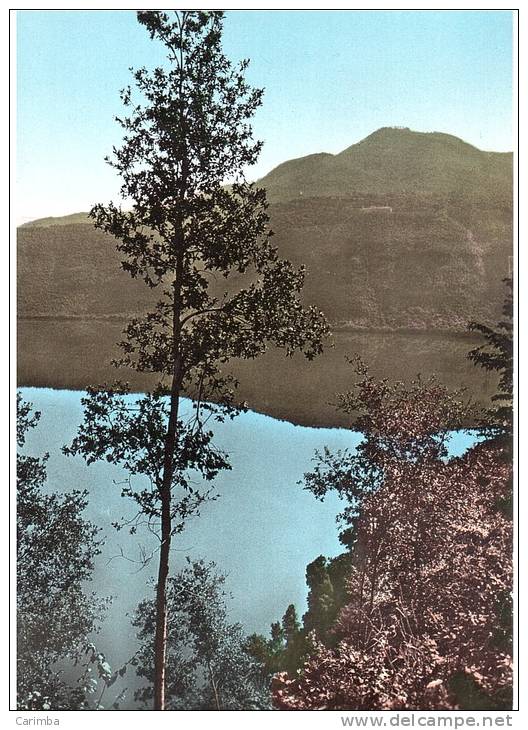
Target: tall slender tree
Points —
{"points": [[198, 232]]}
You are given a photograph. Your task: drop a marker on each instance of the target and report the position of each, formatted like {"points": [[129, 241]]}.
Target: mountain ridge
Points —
{"points": [[383, 250], [383, 137], [409, 161]]}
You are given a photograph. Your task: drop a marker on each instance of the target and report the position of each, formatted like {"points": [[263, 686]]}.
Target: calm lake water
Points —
{"points": [[75, 353], [262, 531]]}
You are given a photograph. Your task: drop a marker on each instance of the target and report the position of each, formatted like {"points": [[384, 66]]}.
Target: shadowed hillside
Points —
{"points": [[403, 232]]}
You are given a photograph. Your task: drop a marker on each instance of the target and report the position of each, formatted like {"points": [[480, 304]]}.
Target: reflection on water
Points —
{"points": [[74, 354]]}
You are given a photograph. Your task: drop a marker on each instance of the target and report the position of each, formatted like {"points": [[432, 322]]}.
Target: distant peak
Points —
{"points": [[406, 135], [393, 160], [389, 130]]}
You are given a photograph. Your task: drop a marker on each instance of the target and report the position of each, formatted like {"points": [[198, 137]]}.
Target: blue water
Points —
{"points": [[262, 532]]}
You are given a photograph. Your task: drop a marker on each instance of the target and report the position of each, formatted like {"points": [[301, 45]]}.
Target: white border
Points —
{"points": [[242, 719]]}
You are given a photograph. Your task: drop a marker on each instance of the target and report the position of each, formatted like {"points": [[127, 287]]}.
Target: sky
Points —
{"points": [[330, 77]]}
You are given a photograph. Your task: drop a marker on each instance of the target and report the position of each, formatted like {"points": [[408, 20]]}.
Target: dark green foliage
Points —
{"points": [[326, 579], [130, 431], [56, 548], [209, 666], [321, 602], [496, 355], [290, 624], [291, 641], [286, 647], [471, 697]]}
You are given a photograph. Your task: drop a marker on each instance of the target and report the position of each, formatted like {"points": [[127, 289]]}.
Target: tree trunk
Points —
{"points": [[160, 640], [213, 684]]}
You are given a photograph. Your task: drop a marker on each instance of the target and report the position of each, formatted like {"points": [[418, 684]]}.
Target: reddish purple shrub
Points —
{"points": [[427, 624]]}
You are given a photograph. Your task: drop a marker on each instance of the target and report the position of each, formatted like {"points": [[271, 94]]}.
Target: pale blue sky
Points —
{"points": [[331, 78]]}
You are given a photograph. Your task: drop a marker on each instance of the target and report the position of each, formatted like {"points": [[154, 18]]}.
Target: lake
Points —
{"points": [[262, 531]]}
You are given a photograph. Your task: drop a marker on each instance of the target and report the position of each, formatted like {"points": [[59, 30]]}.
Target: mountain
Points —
{"points": [[398, 161], [406, 237]]}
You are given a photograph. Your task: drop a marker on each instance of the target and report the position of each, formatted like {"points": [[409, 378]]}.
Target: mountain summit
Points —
{"points": [[395, 160]]}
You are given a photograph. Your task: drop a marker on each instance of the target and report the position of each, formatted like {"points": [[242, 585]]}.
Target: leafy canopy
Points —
{"points": [[496, 355], [209, 666], [56, 548], [192, 227], [426, 623]]}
